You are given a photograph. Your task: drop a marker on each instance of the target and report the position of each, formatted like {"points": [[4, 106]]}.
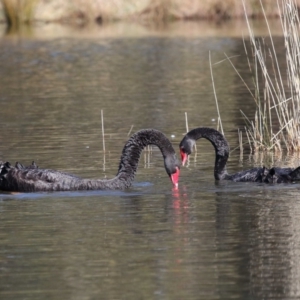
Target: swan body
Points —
{"points": [[259, 174], [32, 179]]}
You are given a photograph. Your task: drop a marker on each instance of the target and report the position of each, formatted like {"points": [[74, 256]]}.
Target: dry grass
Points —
{"points": [[18, 12], [86, 11], [276, 121]]}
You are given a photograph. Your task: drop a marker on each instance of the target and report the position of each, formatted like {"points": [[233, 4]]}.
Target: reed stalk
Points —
{"points": [[215, 95], [186, 122], [276, 121], [103, 134], [130, 130]]}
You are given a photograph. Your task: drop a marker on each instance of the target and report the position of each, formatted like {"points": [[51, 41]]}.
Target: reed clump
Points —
{"points": [[18, 12], [276, 124]]}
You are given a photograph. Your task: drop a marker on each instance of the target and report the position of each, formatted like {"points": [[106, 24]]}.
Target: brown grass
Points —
{"points": [[86, 11], [19, 11], [276, 92]]}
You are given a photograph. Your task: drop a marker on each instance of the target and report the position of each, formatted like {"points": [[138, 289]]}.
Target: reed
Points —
{"points": [[187, 130], [18, 12], [186, 122], [276, 91], [216, 99], [130, 130], [103, 134]]}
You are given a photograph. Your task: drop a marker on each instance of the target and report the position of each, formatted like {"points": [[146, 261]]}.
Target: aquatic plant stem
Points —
{"points": [[186, 122], [215, 94], [103, 137]]}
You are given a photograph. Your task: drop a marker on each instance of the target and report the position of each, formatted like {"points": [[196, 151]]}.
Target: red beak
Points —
{"points": [[175, 178], [184, 157]]}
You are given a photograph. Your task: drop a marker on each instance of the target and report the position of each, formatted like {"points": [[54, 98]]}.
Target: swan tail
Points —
{"points": [[295, 174], [19, 166], [5, 167], [262, 175], [281, 175]]}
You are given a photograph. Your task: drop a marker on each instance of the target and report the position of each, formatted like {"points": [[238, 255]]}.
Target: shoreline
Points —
{"points": [[236, 28], [17, 13]]}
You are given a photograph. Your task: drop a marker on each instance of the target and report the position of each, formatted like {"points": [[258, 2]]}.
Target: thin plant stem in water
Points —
{"points": [[279, 102], [240, 134], [130, 130], [187, 129], [186, 122], [103, 139], [215, 94]]}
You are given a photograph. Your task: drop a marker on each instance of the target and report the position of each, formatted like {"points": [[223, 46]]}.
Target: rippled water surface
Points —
{"points": [[205, 240]]}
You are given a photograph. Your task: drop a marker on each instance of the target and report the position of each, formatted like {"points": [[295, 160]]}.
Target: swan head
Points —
{"points": [[175, 177], [172, 166], [185, 147]]}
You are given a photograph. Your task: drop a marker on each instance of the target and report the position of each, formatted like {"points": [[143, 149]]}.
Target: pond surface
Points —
{"points": [[205, 240]]}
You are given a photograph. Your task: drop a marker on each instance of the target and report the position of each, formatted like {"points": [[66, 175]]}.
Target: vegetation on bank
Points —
{"points": [[83, 12]]}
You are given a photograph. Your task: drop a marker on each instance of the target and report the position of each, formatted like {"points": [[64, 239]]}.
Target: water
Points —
{"points": [[206, 240]]}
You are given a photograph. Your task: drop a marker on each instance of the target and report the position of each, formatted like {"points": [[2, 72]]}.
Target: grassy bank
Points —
{"points": [[85, 11]]}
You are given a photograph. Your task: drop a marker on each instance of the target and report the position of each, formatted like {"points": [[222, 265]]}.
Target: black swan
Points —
{"points": [[259, 174], [33, 179]]}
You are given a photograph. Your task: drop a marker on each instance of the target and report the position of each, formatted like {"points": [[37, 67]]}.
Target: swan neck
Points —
{"points": [[132, 151], [221, 148]]}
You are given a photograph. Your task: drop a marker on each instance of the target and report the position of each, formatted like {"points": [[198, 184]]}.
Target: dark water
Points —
{"points": [[203, 241]]}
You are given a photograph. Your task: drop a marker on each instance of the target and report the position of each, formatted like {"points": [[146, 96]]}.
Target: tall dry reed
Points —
{"points": [[18, 12], [276, 91]]}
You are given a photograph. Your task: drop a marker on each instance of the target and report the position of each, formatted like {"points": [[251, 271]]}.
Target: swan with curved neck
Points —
{"points": [[260, 174], [33, 179]]}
